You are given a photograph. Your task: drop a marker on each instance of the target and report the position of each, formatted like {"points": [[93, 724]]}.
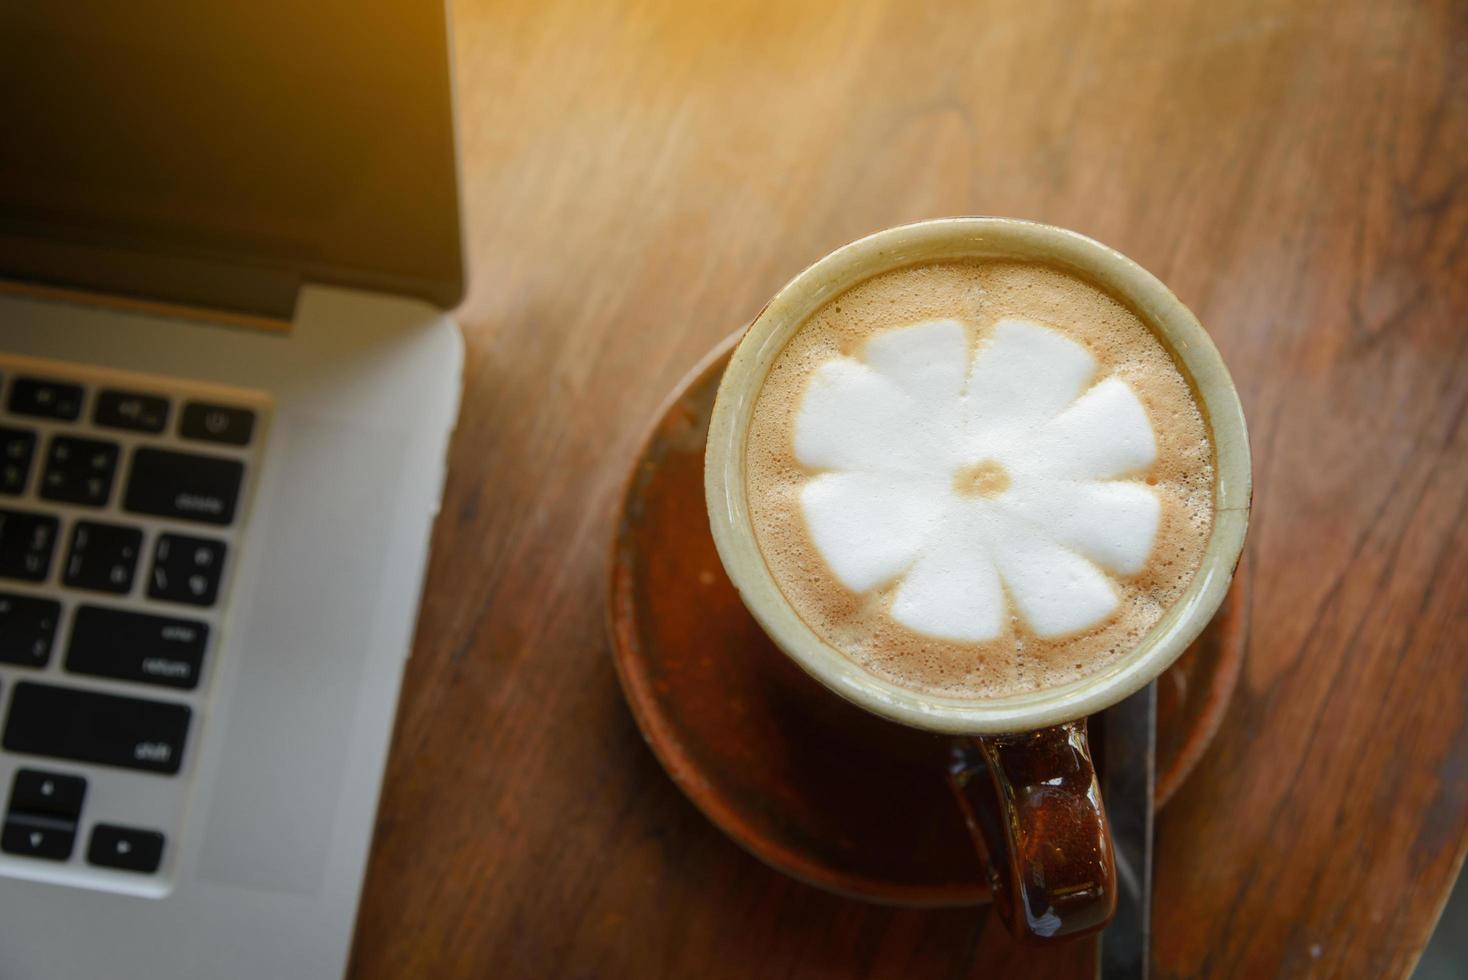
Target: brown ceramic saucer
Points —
{"points": [[805, 781]]}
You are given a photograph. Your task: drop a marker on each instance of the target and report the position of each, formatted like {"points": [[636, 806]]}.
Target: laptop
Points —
{"points": [[228, 238]]}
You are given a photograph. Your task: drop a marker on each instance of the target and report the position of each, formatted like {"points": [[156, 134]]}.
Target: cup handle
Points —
{"points": [[1033, 808]]}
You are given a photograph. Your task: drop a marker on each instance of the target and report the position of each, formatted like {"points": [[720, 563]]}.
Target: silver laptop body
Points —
{"points": [[227, 383]]}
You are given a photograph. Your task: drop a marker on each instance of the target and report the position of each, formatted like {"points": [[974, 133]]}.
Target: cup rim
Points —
{"points": [[946, 239]]}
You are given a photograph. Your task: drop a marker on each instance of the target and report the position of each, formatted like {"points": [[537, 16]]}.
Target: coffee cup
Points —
{"points": [[1039, 807]]}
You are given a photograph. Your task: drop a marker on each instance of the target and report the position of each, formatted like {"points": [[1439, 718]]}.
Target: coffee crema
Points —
{"points": [[977, 479]]}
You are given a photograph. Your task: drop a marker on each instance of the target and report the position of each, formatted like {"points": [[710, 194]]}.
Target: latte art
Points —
{"points": [[977, 483], [978, 479]]}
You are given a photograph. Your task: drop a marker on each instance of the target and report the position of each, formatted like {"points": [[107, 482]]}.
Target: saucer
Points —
{"points": [[808, 783]]}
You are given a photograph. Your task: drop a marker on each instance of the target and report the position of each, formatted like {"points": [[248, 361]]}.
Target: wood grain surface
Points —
{"points": [[640, 178]]}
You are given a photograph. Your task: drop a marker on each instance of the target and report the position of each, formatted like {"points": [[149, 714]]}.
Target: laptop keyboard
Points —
{"points": [[120, 504]]}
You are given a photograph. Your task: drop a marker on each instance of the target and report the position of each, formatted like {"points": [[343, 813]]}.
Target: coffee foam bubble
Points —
{"points": [[978, 479]]}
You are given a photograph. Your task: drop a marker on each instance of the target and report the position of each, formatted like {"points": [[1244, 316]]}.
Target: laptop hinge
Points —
{"points": [[169, 285]]}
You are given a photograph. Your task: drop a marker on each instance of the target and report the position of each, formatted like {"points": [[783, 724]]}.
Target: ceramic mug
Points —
{"points": [[1038, 814]]}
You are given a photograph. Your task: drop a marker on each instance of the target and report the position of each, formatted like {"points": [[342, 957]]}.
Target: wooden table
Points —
{"points": [[639, 179]]}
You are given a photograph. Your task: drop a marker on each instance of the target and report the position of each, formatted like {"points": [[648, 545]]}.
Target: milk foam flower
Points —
{"points": [[977, 484]]}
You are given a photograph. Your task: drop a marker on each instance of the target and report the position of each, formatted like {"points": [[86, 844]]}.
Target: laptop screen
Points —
{"points": [[223, 153]]}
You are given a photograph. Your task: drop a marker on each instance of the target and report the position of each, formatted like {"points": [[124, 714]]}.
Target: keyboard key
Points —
{"points": [[17, 446], [79, 471], [27, 629], [183, 485], [46, 399], [186, 569], [130, 410], [86, 726], [217, 423], [103, 557], [48, 793], [125, 848], [35, 835], [134, 646], [26, 543]]}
